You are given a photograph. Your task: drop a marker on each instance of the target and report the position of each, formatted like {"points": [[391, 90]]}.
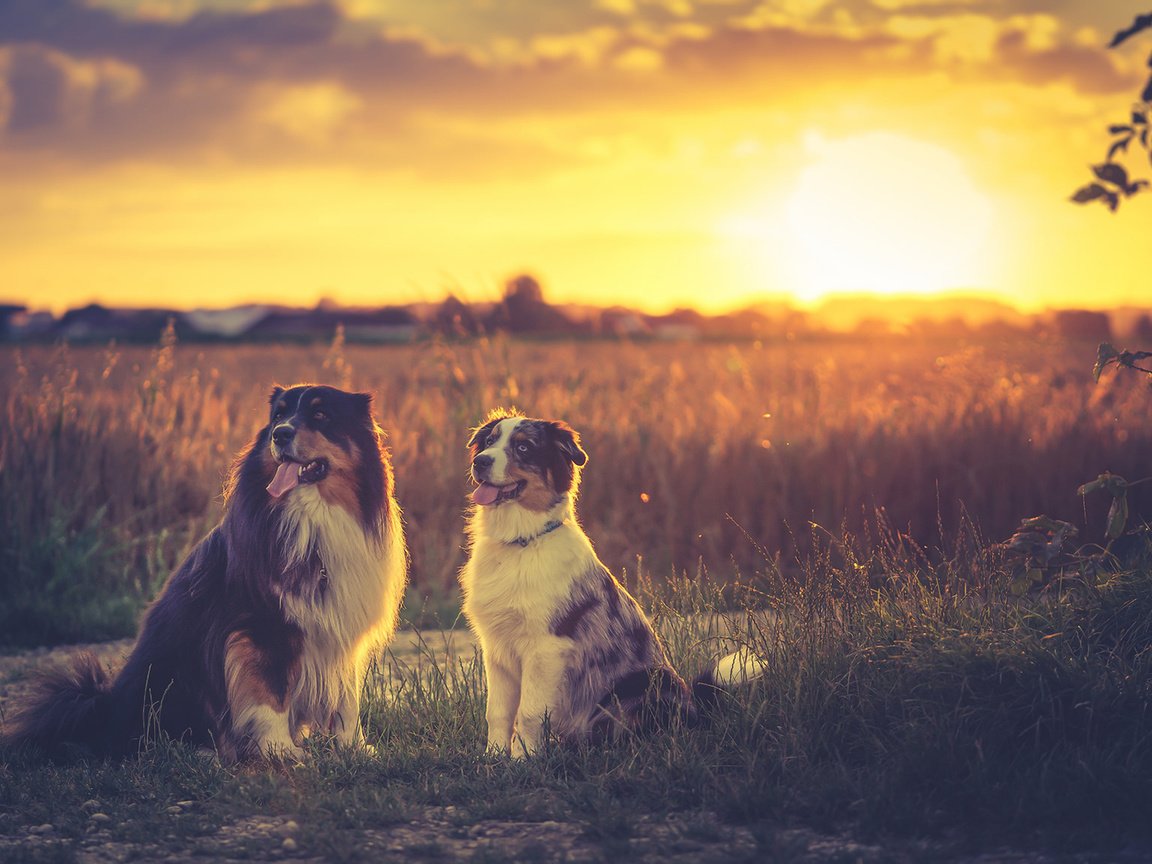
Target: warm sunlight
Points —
{"points": [[887, 214], [714, 155]]}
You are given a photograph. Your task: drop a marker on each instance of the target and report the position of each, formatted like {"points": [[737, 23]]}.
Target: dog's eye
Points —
{"points": [[319, 416], [278, 415], [492, 439], [522, 447]]}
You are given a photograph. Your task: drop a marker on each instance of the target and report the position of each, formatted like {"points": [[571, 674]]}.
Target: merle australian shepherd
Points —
{"points": [[263, 635], [560, 637]]}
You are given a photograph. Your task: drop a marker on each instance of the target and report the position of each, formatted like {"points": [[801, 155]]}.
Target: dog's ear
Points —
{"points": [[568, 440], [277, 392], [481, 433], [362, 402]]}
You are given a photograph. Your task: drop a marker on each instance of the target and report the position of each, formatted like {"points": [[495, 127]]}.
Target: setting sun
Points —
{"points": [[886, 214], [715, 156]]}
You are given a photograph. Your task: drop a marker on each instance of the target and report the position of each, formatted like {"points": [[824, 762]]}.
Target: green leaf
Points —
{"points": [[1112, 173], [1117, 516], [1114, 484], [1089, 193], [1089, 488], [1047, 524], [1105, 354]]}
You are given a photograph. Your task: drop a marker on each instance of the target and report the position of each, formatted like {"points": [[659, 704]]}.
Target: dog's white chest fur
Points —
{"points": [[357, 608], [511, 592]]}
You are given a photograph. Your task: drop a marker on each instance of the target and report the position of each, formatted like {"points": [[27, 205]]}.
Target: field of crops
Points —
{"points": [[701, 454]]}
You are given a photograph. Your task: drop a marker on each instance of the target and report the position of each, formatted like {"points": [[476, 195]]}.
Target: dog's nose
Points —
{"points": [[482, 461], [283, 434]]}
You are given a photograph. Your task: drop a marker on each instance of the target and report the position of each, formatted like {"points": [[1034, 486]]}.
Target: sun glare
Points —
{"points": [[886, 214]]}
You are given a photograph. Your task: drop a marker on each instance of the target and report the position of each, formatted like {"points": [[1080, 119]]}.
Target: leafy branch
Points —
{"points": [[1037, 551], [1113, 182], [1107, 356]]}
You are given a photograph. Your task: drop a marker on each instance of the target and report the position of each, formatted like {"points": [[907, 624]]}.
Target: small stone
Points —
{"points": [[90, 804], [185, 803], [46, 828], [101, 818], [289, 845], [290, 827], [175, 810]]}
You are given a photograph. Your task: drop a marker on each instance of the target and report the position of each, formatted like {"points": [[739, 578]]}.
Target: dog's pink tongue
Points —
{"points": [[485, 493], [287, 477]]}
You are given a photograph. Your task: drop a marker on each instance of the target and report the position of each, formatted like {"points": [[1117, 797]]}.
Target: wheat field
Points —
{"points": [[716, 458]]}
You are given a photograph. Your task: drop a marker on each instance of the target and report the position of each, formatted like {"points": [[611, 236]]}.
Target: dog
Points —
{"points": [[560, 637], [263, 634]]}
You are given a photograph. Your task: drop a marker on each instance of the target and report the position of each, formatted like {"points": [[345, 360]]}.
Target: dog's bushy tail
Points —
{"points": [[734, 670], [66, 708]]}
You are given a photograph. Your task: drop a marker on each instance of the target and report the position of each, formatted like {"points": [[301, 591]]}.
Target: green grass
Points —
{"points": [[933, 707]]}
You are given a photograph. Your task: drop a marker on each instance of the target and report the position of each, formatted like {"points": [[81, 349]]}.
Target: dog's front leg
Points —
{"points": [[503, 700], [542, 696], [256, 702], [345, 723]]}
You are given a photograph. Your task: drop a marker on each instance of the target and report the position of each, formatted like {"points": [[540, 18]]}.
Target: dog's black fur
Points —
{"points": [[220, 635]]}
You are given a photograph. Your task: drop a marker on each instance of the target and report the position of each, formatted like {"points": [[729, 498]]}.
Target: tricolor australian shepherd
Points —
{"points": [[560, 637], [263, 634]]}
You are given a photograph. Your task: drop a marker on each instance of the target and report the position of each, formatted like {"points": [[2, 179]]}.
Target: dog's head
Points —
{"points": [[316, 432], [526, 461]]}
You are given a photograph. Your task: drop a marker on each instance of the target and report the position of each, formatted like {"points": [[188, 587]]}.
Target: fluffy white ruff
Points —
{"points": [[358, 610], [508, 522]]}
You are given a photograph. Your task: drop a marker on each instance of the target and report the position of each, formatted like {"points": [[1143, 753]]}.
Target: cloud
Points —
{"points": [[313, 113], [1032, 48], [328, 81], [72, 27], [44, 89]]}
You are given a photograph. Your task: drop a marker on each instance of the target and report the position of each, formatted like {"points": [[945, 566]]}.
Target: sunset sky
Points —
{"points": [[662, 153]]}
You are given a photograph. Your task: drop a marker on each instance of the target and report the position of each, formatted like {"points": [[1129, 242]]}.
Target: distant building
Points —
{"points": [[223, 323], [388, 324], [7, 314], [30, 326], [96, 323]]}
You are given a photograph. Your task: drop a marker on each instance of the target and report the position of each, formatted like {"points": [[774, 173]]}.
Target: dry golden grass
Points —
{"points": [[112, 460]]}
